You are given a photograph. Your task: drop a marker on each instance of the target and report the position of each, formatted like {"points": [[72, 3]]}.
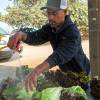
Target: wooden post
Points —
{"points": [[94, 36]]}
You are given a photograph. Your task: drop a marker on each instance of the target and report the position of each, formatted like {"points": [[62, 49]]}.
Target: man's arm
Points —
{"points": [[37, 37], [32, 38], [45, 66]]}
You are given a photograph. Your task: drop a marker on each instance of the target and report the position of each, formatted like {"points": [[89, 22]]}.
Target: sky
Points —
{"points": [[4, 4]]}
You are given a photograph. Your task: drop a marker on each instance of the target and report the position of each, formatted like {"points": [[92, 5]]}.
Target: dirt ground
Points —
{"points": [[32, 56]]}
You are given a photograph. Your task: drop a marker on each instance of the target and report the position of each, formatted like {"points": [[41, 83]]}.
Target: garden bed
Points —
{"points": [[49, 86]]}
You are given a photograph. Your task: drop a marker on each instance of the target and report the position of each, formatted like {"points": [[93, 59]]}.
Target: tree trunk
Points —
{"points": [[94, 36]]}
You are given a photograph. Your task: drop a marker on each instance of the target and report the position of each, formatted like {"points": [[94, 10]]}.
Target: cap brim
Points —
{"points": [[52, 8], [42, 8]]}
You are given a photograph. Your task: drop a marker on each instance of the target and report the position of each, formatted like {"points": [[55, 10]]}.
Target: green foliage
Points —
{"points": [[73, 93], [1, 17], [10, 93], [76, 90], [23, 95], [27, 3], [15, 89], [21, 14], [51, 93], [17, 93], [79, 14], [84, 78], [56, 93]]}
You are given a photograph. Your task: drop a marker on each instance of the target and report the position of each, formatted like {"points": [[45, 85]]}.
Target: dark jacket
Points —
{"points": [[66, 43]]}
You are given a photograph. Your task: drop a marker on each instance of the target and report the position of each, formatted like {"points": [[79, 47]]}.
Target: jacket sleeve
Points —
{"points": [[37, 37], [66, 50]]}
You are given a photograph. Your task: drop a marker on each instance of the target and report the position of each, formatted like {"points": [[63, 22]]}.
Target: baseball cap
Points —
{"points": [[56, 4]]}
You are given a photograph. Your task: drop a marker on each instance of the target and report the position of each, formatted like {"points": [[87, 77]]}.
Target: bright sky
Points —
{"points": [[4, 4]]}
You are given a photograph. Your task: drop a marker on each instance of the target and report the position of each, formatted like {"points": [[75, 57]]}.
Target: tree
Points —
{"points": [[79, 14], [0, 15], [23, 14], [25, 2]]}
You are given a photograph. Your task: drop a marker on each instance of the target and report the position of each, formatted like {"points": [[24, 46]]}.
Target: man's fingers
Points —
{"points": [[35, 83], [26, 84], [16, 42], [31, 80], [31, 84], [11, 42]]}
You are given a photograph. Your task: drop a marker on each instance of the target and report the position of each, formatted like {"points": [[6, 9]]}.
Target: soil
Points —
{"points": [[67, 79]]}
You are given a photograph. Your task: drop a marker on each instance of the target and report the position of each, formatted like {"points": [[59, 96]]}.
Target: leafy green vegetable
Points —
{"points": [[23, 95], [57, 93], [47, 87], [75, 90], [10, 93], [17, 92], [51, 93], [36, 95], [84, 78]]}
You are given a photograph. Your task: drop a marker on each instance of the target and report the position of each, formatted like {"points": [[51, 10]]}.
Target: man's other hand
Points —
{"points": [[15, 39]]}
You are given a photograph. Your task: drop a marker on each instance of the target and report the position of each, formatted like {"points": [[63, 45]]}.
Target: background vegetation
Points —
{"points": [[27, 13]]}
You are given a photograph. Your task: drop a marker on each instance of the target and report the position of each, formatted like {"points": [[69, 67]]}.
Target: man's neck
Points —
{"points": [[56, 29]]}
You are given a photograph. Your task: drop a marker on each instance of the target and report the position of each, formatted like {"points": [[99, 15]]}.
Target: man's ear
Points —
{"points": [[66, 11]]}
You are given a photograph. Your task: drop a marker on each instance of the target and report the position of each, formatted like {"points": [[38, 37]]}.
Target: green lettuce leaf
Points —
{"points": [[75, 90], [51, 94], [23, 95]]}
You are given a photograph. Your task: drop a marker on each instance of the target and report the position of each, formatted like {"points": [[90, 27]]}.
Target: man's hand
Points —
{"points": [[15, 39], [31, 79]]}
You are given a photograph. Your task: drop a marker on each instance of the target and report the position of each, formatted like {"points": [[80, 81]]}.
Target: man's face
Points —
{"points": [[56, 18]]}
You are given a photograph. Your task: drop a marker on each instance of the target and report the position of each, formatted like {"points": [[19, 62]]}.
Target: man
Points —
{"points": [[64, 38]]}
